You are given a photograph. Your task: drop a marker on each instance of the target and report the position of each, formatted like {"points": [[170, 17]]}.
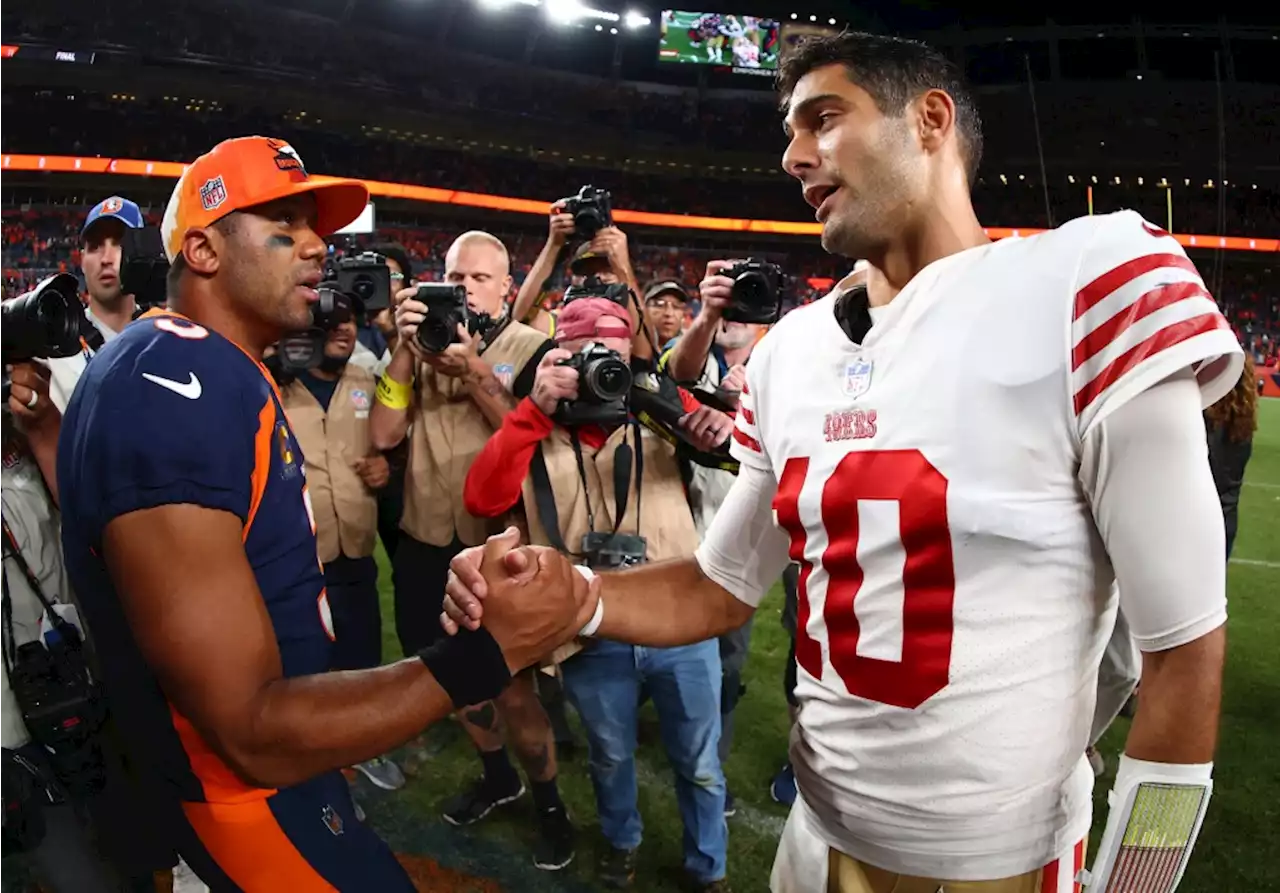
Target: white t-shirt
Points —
{"points": [[65, 372], [942, 487]]}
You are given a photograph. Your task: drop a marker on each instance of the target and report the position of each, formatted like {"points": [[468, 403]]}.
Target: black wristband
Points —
{"points": [[469, 666]]}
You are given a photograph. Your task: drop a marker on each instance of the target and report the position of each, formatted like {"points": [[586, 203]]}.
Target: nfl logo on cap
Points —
{"points": [[213, 193], [857, 378]]}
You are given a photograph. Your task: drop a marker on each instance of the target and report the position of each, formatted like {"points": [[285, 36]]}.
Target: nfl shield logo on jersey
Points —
{"points": [[857, 378]]}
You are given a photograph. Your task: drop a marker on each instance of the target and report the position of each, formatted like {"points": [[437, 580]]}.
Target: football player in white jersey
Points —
{"points": [[962, 457]]}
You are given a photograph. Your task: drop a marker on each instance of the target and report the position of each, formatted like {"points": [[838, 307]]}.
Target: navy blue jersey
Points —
{"points": [[168, 413]]}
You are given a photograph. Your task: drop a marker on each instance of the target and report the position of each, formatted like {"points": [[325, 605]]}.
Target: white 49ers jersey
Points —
{"points": [[955, 596]]}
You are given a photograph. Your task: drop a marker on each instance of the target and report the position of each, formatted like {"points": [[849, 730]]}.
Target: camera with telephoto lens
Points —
{"points": [[756, 296], [365, 277], [611, 551], [604, 384], [143, 266], [617, 292], [62, 706], [592, 211], [45, 323], [446, 310]]}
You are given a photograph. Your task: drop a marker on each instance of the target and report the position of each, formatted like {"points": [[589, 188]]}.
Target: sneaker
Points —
{"points": [[554, 849], [730, 805], [783, 788], [479, 800], [617, 868], [1096, 761], [383, 773]]}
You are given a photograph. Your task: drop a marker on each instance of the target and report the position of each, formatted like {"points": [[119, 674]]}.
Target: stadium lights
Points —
{"points": [[831, 21], [1071, 178], [813, 18], [568, 12], [636, 20]]}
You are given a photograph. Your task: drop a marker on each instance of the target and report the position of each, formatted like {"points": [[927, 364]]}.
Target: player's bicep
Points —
{"points": [[744, 550], [195, 611], [1146, 473]]}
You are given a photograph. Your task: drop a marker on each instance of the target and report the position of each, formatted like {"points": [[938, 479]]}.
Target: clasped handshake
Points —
{"points": [[529, 598]]}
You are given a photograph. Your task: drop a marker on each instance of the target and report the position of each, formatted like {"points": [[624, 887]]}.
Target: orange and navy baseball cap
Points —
{"points": [[247, 171]]}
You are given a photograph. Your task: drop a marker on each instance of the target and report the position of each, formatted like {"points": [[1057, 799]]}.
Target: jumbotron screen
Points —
{"points": [[712, 38]]}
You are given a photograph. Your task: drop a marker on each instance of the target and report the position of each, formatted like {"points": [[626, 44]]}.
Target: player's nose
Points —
{"points": [[801, 155]]}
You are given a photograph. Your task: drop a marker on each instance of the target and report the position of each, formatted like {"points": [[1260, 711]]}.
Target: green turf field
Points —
{"points": [[675, 45], [1238, 848]]}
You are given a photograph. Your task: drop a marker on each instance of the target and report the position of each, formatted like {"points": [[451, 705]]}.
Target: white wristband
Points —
{"points": [[594, 623]]}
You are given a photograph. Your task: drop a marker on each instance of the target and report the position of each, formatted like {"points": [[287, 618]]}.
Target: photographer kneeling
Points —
{"points": [[596, 483]]}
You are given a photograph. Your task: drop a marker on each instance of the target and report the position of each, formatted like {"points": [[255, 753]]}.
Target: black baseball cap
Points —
{"points": [[666, 287]]}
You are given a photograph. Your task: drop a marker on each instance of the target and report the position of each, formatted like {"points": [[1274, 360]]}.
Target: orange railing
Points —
{"points": [[174, 169]]}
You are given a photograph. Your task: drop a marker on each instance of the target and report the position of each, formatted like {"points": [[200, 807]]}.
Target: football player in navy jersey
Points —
{"points": [[188, 535]]}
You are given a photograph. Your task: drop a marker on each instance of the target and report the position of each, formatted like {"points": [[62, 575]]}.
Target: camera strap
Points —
{"points": [[64, 628], [623, 457], [487, 339]]}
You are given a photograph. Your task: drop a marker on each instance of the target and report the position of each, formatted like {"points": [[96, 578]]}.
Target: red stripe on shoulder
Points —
{"points": [[746, 440], [1149, 303], [1144, 350], [1128, 271]]}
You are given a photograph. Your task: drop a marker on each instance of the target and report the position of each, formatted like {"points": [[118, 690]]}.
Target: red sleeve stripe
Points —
{"points": [[746, 440], [1128, 271], [1144, 350], [1149, 303], [747, 415], [746, 391]]}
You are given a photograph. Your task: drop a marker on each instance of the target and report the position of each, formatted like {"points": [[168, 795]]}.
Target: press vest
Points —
{"points": [[448, 433], [346, 511]]}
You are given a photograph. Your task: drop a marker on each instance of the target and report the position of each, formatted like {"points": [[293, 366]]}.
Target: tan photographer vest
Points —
{"points": [[345, 510], [664, 517], [448, 433]]}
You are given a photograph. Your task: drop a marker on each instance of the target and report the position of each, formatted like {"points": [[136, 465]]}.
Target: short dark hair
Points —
{"points": [[396, 252], [893, 71]]}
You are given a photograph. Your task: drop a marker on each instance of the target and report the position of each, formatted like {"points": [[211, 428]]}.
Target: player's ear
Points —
{"points": [[200, 251], [936, 117]]}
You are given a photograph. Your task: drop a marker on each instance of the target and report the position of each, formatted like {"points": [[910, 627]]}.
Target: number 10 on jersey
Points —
{"points": [[906, 478]]}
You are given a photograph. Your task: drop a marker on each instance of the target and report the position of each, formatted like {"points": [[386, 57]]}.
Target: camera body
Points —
{"points": [[62, 707], [592, 211], [604, 385], [617, 292], [144, 268], [45, 323], [365, 277], [611, 551], [757, 292], [446, 310]]}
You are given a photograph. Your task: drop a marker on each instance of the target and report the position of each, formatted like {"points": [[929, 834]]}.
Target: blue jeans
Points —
{"points": [[603, 682]]}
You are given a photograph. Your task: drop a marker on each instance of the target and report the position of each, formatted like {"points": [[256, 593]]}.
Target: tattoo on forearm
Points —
{"points": [[484, 717], [491, 386]]}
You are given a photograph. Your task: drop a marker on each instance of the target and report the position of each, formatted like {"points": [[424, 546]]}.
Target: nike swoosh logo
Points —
{"points": [[191, 389]]}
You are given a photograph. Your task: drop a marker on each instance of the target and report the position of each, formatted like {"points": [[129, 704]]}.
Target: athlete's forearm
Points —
{"points": [[535, 280], [307, 725], [666, 604], [1177, 719]]}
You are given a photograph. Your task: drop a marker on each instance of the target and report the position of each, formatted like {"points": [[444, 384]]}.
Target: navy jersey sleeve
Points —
{"points": [[169, 417]]}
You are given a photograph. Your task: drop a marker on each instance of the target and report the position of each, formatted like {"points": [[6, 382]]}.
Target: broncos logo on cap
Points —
{"points": [[111, 205], [288, 160]]}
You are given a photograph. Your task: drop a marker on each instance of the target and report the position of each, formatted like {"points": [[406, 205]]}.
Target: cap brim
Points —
{"points": [[338, 202]]}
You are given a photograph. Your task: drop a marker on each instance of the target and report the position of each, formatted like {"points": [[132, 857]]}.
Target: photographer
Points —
{"points": [[328, 408], [665, 304], [46, 816], [459, 367], [711, 356], [603, 255], [109, 310], [595, 483]]}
